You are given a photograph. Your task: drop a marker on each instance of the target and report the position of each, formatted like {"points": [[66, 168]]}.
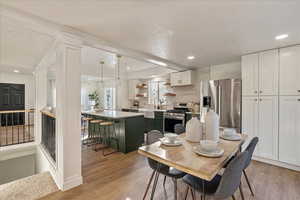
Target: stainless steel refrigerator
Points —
{"points": [[224, 97]]}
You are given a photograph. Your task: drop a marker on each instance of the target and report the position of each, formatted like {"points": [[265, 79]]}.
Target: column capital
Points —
{"points": [[70, 39]]}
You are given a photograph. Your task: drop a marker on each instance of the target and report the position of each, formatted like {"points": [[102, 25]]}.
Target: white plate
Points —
{"points": [[166, 142], [211, 154], [235, 137]]}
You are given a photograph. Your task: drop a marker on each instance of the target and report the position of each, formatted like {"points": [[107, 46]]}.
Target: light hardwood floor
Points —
{"points": [[125, 176]]}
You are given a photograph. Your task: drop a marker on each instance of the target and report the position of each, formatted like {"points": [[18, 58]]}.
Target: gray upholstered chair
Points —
{"points": [[159, 168], [220, 187], [179, 128], [250, 148]]}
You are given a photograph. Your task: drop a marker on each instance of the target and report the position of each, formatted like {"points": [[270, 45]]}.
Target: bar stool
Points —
{"points": [[94, 135], [85, 121], [108, 134]]}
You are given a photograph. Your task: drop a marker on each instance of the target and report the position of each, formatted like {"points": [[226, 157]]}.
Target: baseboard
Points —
{"points": [[72, 182], [277, 163]]}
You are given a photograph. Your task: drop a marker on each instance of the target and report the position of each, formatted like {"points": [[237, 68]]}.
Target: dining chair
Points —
{"points": [[159, 168], [179, 129], [220, 187], [250, 148]]}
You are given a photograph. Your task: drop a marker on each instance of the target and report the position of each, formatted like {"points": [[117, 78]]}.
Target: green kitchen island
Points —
{"points": [[129, 127]]}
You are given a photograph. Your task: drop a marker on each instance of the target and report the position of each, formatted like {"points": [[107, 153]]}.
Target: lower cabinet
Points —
{"points": [[289, 129], [156, 123], [260, 118], [268, 127]]}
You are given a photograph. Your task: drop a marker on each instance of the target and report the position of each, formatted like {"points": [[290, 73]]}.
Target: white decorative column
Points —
{"points": [[68, 112]]}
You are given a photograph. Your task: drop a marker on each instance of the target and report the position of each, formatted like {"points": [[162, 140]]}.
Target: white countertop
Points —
{"points": [[113, 114]]}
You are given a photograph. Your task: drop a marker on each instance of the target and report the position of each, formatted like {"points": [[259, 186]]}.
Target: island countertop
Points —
{"points": [[113, 114]]}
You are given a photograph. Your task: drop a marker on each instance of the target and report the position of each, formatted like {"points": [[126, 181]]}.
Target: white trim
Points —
{"points": [[52, 166], [19, 150], [277, 163], [72, 182], [48, 157]]}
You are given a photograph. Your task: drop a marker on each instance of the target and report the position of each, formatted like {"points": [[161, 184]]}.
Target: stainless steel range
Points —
{"points": [[173, 117]]}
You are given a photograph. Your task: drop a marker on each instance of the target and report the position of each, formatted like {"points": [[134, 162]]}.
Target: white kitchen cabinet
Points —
{"points": [[250, 117], [268, 127], [260, 73], [289, 129], [260, 118], [181, 78], [250, 74], [289, 71], [268, 72]]}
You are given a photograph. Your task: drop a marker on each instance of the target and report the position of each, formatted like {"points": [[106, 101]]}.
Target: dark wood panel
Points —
{"points": [[12, 97]]}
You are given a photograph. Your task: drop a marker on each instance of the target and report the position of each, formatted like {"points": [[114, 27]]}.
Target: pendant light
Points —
{"points": [[101, 71], [118, 67]]}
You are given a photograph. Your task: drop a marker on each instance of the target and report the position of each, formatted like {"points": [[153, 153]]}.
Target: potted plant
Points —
{"points": [[95, 98]]}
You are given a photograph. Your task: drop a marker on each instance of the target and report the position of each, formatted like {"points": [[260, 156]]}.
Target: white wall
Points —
{"points": [[16, 168], [28, 80]]}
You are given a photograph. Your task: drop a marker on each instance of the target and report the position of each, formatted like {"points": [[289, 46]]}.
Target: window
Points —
{"points": [[156, 91]]}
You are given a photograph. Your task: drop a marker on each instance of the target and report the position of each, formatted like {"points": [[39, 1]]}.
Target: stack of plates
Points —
{"points": [[167, 142], [233, 137], [218, 152]]}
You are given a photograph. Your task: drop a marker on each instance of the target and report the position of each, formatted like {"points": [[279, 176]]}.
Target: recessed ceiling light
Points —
{"points": [[158, 62], [128, 68], [191, 57], [16, 71], [281, 37]]}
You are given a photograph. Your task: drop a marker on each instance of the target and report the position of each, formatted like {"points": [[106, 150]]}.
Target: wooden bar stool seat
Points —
{"points": [[87, 118], [96, 121], [106, 123]]}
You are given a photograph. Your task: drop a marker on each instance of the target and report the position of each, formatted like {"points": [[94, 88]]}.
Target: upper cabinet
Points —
{"points": [[260, 73], [268, 72], [250, 75], [289, 71], [181, 78]]}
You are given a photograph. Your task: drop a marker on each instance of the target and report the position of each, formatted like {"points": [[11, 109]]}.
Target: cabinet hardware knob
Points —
{"points": [[298, 90], [255, 99], [260, 91], [255, 91], [260, 99], [298, 99]]}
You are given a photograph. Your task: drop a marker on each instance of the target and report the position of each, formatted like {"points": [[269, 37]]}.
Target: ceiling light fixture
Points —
{"points": [[16, 71], [158, 62], [191, 57], [281, 37]]}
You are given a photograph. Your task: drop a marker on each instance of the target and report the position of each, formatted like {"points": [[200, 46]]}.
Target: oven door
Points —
{"points": [[169, 124]]}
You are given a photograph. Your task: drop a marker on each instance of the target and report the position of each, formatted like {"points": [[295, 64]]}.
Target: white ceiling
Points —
{"points": [[214, 31], [21, 48], [129, 67]]}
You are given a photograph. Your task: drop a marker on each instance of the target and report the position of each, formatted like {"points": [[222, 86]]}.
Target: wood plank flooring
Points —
{"points": [[125, 176]]}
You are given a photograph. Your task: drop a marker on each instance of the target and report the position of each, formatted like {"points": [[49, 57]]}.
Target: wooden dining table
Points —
{"points": [[183, 157]]}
